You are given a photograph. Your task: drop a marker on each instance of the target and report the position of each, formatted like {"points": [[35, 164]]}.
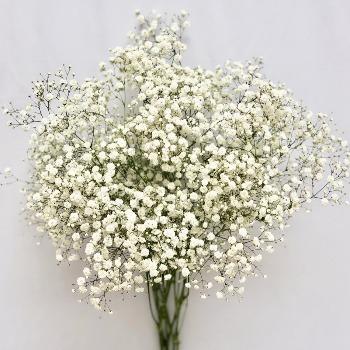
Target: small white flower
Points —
{"points": [[144, 252], [185, 272], [52, 223], [242, 232], [49, 96], [81, 281]]}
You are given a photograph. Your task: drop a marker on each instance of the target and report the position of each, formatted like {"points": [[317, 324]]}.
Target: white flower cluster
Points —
{"points": [[156, 168]]}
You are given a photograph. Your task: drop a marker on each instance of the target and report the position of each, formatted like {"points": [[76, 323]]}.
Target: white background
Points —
{"points": [[304, 303]]}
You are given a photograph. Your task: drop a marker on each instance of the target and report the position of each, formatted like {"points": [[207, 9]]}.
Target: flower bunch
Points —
{"points": [[156, 171]]}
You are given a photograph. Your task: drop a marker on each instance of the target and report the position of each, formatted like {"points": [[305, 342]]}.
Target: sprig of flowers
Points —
{"points": [[155, 168]]}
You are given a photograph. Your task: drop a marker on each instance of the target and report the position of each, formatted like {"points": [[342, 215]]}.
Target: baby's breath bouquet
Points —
{"points": [[166, 179]]}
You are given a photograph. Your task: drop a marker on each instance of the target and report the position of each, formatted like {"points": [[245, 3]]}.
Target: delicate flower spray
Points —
{"points": [[165, 179]]}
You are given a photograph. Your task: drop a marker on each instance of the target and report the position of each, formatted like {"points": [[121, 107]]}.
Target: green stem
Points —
{"points": [[168, 300]]}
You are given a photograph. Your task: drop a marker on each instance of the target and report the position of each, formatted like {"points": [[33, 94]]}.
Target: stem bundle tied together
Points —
{"points": [[168, 301]]}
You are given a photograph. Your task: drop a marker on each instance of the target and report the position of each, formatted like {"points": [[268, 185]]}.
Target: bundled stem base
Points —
{"points": [[167, 302]]}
